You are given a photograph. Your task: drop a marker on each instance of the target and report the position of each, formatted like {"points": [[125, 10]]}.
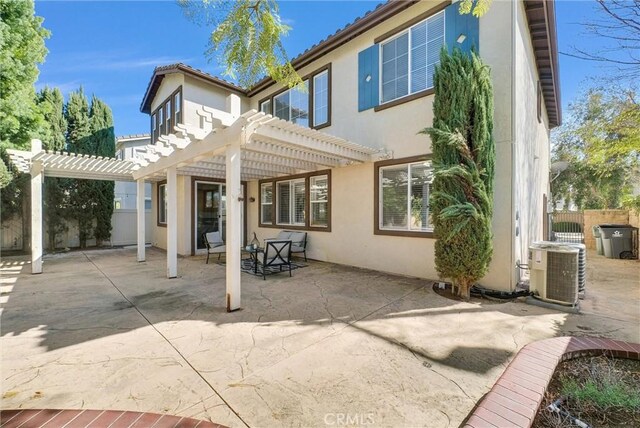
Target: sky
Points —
{"points": [[110, 48]]}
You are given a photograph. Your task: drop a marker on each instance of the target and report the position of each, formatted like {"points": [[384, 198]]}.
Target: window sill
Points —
{"points": [[404, 233], [292, 227], [405, 99], [162, 224]]}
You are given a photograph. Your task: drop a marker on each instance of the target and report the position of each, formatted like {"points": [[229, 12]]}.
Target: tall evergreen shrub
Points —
{"points": [[461, 200], [53, 135]]}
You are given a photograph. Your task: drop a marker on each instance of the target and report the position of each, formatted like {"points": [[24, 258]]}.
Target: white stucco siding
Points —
{"points": [[531, 160], [197, 93], [496, 48], [351, 240], [394, 128], [159, 233], [169, 83]]}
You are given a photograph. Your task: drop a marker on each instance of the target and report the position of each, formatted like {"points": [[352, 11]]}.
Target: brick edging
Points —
{"points": [[36, 418], [517, 394]]}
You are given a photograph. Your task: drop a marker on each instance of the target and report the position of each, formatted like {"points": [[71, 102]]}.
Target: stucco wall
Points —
{"points": [[169, 83], [521, 151], [159, 237], [531, 146], [196, 93], [351, 240], [496, 47]]}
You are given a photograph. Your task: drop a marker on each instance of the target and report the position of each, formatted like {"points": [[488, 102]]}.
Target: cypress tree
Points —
{"points": [[53, 132], [463, 149], [81, 192], [104, 144]]}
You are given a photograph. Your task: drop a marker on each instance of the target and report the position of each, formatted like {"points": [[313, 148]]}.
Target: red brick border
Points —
{"points": [[38, 418], [516, 396]]}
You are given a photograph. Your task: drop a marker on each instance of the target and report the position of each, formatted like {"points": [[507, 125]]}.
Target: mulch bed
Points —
{"points": [[447, 293], [595, 369]]}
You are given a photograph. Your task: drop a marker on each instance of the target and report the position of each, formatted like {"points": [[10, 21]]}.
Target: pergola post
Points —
{"points": [[234, 212], [37, 173], [172, 222], [234, 225], [140, 211]]}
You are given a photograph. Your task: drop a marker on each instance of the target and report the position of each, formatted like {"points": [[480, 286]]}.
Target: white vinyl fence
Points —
{"points": [[125, 225], [123, 232]]}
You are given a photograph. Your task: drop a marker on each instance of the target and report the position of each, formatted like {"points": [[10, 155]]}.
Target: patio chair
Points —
{"points": [[298, 241], [214, 243], [275, 254]]}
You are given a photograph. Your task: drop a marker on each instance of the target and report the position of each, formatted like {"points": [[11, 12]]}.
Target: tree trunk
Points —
{"points": [[464, 289]]}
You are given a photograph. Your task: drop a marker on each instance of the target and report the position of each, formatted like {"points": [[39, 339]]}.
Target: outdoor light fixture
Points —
{"points": [[461, 38], [252, 199]]}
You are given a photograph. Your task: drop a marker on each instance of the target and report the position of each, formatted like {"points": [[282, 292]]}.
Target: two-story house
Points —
{"points": [[370, 83], [125, 192]]}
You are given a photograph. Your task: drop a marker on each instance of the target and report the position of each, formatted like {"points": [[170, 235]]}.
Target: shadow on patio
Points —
{"points": [[331, 331]]}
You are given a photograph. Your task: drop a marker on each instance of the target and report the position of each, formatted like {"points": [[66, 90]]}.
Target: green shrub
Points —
{"points": [[463, 149]]}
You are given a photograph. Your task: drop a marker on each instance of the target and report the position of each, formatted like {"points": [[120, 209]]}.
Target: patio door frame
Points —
{"points": [[207, 180]]}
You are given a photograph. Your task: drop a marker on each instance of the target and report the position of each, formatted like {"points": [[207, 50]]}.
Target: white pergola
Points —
{"points": [[228, 145]]}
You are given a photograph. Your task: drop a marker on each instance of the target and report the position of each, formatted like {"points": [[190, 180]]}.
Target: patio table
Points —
{"points": [[253, 256]]}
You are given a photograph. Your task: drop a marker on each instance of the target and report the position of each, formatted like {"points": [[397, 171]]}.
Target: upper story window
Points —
{"points": [[307, 106], [167, 115], [265, 106], [177, 107], [321, 98], [408, 60]]}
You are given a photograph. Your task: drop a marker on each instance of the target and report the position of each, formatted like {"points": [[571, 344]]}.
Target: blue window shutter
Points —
{"points": [[456, 24], [368, 65]]}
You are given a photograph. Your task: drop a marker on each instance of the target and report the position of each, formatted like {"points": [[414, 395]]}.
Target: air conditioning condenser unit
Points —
{"points": [[554, 272]]}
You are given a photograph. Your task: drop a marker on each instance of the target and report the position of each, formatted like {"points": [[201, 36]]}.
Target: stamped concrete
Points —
{"points": [[332, 346]]}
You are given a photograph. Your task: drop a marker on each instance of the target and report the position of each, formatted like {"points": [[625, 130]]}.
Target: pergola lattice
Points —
{"points": [[229, 145]]}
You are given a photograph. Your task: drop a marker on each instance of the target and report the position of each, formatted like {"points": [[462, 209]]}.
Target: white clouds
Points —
{"points": [[109, 61]]}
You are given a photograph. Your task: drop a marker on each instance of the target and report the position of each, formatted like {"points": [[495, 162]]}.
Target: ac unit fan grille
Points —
{"points": [[562, 276]]}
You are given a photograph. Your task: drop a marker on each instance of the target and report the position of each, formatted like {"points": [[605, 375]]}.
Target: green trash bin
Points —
{"points": [[616, 239], [595, 230]]}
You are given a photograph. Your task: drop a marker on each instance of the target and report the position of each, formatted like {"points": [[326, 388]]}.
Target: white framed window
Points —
{"points": [[321, 98], [311, 99], [177, 106], [319, 200], [408, 59], [154, 125], [293, 105], [167, 109], [404, 197], [291, 202], [160, 117], [162, 203], [265, 106], [266, 203]]}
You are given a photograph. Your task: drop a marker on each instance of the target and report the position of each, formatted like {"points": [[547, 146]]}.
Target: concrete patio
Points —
{"points": [[332, 346]]}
